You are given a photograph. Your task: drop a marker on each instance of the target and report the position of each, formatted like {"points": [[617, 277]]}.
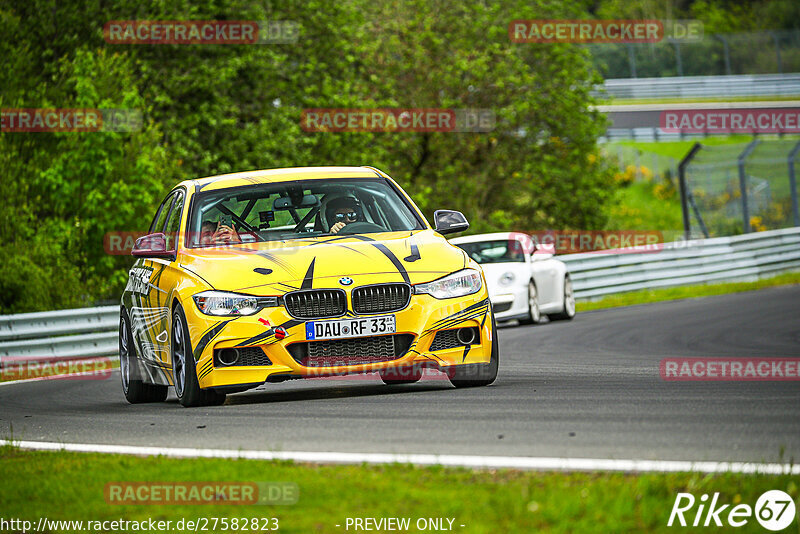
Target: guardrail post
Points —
{"points": [[793, 183], [682, 182], [743, 183]]}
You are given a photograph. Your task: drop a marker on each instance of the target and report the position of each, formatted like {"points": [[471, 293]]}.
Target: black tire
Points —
{"points": [[534, 315], [136, 391], [477, 374], [401, 375], [184, 370], [568, 312]]}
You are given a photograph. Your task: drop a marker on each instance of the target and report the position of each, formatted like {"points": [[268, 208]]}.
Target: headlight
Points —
{"points": [[507, 279], [458, 284], [222, 303]]}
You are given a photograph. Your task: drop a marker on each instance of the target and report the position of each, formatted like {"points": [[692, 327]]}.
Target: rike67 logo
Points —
{"points": [[774, 510]]}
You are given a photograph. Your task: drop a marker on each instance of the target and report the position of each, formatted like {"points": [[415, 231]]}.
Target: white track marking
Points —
{"points": [[449, 460]]}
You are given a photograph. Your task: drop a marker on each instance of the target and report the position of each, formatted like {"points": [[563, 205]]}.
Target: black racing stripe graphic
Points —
{"points": [[208, 336], [389, 254], [207, 365], [308, 279], [332, 239], [483, 321], [283, 264], [475, 310], [459, 320], [271, 332], [380, 246], [291, 287], [466, 351], [414, 256], [205, 373]]}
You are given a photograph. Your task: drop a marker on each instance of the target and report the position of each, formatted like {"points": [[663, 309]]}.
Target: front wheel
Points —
{"points": [[569, 303], [534, 313], [135, 389], [184, 371], [477, 374]]}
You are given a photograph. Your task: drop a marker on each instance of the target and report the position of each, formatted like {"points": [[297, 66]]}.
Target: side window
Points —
{"points": [[161, 216], [174, 221]]}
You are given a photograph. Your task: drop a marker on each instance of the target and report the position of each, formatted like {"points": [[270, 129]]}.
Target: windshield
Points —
{"points": [[297, 209], [500, 251]]}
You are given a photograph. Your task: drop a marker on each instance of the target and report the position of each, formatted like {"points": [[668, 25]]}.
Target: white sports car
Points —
{"points": [[524, 279]]}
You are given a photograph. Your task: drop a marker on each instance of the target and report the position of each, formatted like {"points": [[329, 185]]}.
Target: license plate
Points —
{"points": [[347, 328]]}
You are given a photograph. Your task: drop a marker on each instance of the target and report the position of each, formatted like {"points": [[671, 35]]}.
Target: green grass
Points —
{"points": [[678, 149], [685, 292], [61, 485], [637, 208]]}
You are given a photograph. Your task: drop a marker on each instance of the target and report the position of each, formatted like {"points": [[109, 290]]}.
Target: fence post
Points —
{"points": [[632, 60], [679, 62], [777, 51], [743, 183], [682, 182], [793, 183], [726, 52]]}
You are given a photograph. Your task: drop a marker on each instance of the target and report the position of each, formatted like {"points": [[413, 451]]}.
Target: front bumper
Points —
{"points": [[422, 319], [512, 303]]}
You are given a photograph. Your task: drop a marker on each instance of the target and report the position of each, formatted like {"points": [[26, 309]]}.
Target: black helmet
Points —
{"points": [[339, 203]]}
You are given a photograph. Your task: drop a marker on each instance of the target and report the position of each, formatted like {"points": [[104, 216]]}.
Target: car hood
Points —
{"points": [[278, 267]]}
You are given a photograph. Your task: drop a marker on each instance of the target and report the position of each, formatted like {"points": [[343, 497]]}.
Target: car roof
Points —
{"points": [[487, 237], [282, 175]]}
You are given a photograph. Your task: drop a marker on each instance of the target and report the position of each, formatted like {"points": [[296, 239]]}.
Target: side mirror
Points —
{"points": [[152, 246], [449, 221]]}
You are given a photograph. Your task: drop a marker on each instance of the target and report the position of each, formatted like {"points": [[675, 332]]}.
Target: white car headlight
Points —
{"points": [[458, 284], [507, 279], [222, 303]]}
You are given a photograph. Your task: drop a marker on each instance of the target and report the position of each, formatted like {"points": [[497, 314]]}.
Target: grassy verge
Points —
{"points": [[70, 486], [637, 208], [685, 292]]}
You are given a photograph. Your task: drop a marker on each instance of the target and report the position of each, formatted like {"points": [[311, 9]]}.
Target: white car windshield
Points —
{"points": [[499, 251]]}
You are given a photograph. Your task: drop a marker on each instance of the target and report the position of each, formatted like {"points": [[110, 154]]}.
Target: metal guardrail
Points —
{"points": [[78, 333], [720, 259], [45, 335], [750, 85]]}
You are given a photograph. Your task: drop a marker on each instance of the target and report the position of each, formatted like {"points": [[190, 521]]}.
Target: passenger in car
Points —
{"points": [[215, 233]]}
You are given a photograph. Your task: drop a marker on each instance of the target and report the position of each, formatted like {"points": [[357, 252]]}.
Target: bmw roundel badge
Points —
{"points": [[345, 280]]}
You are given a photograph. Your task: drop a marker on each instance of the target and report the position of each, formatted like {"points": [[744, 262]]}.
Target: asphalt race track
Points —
{"points": [[589, 388]]}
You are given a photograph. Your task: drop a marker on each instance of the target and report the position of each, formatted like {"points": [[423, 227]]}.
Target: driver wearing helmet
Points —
{"points": [[341, 212]]}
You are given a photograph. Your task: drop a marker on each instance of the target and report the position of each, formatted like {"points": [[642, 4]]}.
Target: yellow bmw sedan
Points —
{"points": [[265, 276]]}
